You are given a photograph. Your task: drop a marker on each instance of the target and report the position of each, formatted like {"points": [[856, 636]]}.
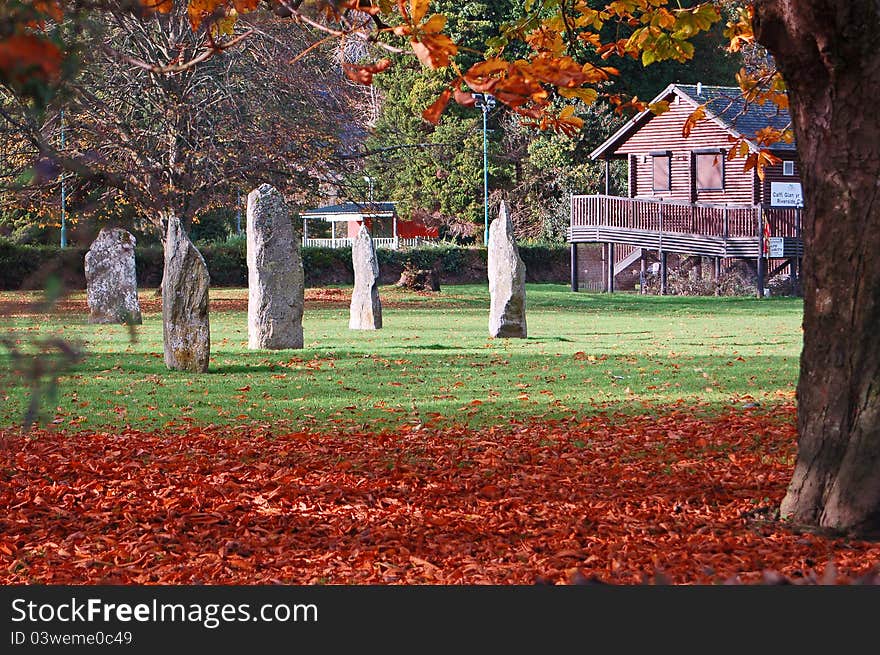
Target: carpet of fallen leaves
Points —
{"points": [[150, 302], [615, 498]]}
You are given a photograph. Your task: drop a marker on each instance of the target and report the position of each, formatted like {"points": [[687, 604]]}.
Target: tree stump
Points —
{"points": [[419, 279]]}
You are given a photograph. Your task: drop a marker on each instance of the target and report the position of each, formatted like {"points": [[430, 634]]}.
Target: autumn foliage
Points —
{"points": [[26, 59], [565, 43], [615, 498]]}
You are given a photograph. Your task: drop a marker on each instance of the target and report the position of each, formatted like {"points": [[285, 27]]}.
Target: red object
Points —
{"points": [[766, 239], [415, 228], [405, 229]]}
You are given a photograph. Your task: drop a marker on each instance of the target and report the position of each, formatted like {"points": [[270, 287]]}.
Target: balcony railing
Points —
{"points": [[387, 243], [702, 229], [683, 218]]}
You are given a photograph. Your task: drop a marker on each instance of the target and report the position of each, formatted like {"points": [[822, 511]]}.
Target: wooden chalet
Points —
{"points": [[684, 196]]}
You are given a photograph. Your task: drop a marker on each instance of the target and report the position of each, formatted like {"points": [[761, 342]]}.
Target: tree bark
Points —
{"points": [[827, 52]]}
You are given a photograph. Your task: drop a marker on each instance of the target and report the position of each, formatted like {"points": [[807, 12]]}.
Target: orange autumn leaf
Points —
{"points": [[565, 123], [696, 115], [767, 136], [434, 50], [740, 148], [161, 6], [199, 10], [418, 9], [223, 11], [364, 74], [432, 113], [585, 95], [558, 71], [759, 161], [483, 76], [517, 89], [464, 98]]}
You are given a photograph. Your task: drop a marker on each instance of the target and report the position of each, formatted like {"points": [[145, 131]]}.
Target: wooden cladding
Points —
{"points": [[777, 174], [722, 181]]}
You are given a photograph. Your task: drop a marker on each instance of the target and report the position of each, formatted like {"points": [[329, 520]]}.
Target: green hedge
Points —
{"points": [[28, 267]]}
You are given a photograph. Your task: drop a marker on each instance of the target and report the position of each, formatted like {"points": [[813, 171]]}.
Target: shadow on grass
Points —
{"points": [[558, 296]]}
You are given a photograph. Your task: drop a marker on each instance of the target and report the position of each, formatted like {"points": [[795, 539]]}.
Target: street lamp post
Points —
{"points": [[369, 180], [63, 193], [485, 102]]}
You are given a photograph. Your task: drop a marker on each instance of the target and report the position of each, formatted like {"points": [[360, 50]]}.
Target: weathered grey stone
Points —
{"points": [[111, 282], [507, 280], [186, 331], [275, 273], [366, 308]]}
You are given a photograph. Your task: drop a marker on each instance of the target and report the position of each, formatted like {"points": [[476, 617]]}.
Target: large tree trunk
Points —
{"points": [[828, 54], [186, 331]]}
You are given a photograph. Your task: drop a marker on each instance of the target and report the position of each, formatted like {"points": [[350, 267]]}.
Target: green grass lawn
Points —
{"points": [[432, 362]]}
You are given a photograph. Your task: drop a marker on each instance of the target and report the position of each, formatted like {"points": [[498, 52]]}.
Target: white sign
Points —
{"points": [[786, 194], [776, 246]]}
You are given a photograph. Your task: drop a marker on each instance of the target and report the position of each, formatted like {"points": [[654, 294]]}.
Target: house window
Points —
{"points": [[661, 167], [710, 170], [788, 168]]}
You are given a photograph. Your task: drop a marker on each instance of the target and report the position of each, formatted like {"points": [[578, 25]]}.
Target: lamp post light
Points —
{"points": [[485, 102]]}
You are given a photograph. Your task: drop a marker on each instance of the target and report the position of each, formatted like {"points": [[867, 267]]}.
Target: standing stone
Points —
{"points": [[111, 282], [507, 280], [185, 281], [366, 309], [276, 292]]}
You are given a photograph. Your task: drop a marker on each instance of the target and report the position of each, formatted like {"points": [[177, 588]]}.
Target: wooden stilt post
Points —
{"points": [[797, 262], [610, 268], [761, 275], [761, 261], [574, 267], [663, 271]]}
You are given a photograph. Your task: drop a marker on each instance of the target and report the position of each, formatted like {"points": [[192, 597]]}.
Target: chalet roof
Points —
{"points": [[724, 105], [352, 211]]}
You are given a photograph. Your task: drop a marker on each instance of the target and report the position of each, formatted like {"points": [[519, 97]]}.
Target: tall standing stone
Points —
{"points": [[507, 280], [111, 281], [366, 308], [186, 331], [276, 289]]}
